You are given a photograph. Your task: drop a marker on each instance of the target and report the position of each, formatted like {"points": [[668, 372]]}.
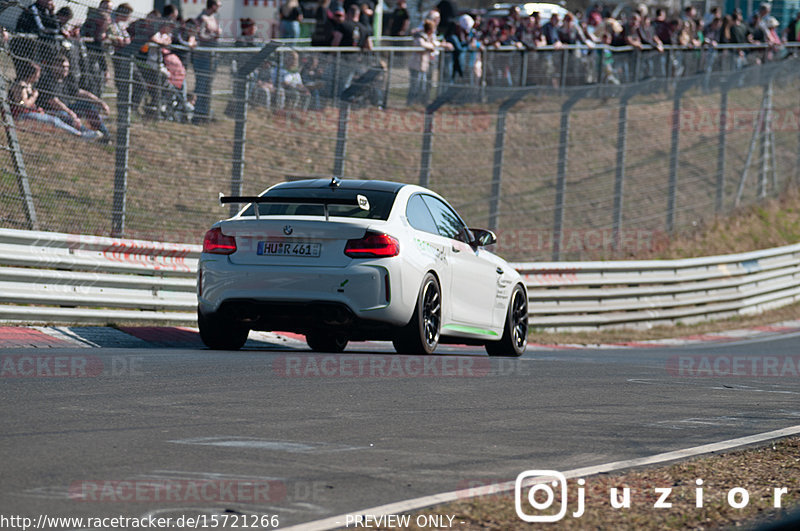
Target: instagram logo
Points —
{"points": [[544, 482]]}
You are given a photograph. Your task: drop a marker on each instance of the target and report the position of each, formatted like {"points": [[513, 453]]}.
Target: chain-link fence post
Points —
{"points": [[561, 172], [17, 159], [388, 85], [619, 178], [427, 138], [240, 97], [499, 149], [484, 55], [672, 189], [523, 67], [442, 73], [562, 83], [240, 100], [766, 134], [336, 73], [427, 148], [341, 139], [797, 163], [719, 203], [124, 90]]}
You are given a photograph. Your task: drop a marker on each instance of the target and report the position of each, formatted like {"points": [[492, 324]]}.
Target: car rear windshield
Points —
{"points": [[380, 203]]}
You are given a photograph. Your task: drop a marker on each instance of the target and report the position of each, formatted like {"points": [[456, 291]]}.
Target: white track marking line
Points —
{"points": [[426, 501]]}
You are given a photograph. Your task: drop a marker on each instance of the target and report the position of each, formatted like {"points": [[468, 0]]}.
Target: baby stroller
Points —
{"points": [[165, 77], [366, 87]]}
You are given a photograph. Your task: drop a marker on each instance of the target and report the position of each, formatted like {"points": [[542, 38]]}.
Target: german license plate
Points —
{"points": [[310, 250]]}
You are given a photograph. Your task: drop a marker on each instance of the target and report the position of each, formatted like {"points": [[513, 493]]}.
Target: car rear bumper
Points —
{"points": [[300, 298]]}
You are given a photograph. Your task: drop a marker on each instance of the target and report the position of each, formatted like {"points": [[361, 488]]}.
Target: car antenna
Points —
{"points": [[335, 182]]}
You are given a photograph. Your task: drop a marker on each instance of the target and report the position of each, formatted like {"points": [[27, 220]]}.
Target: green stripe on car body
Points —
{"points": [[470, 330]]}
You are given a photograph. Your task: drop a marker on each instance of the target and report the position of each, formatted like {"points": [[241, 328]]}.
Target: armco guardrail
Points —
{"points": [[646, 293], [54, 277]]}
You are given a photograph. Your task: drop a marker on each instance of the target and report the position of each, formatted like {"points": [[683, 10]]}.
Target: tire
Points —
{"points": [[515, 331], [326, 341], [221, 334], [421, 334]]}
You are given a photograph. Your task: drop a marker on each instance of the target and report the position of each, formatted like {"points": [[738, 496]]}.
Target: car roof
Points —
{"points": [[344, 184]]}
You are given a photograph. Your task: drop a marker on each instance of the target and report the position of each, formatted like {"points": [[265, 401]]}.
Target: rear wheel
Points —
{"points": [[421, 334], [326, 341], [221, 334], [515, 332]]}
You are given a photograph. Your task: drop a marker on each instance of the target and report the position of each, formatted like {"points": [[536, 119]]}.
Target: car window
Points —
{"points": [[419, 216], [447, 221], [380, 203]]}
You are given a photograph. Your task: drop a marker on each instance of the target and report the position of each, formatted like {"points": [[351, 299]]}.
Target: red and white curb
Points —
{"points": [[186, 337]]}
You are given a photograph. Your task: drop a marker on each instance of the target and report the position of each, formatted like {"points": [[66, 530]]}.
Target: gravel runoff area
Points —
{"points": [[714, 504]]}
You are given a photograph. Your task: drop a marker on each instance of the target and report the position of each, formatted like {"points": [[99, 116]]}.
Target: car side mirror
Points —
{"points": [[483, 238]]}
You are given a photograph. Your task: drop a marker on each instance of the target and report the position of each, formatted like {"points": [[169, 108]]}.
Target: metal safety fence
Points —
{"points": [[568, 154], [67, 278]]}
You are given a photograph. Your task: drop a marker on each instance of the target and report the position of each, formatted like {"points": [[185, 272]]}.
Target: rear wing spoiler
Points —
{"points": [[359, 200]]}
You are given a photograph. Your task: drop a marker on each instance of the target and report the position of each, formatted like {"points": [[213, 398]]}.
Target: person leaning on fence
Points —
{"points": [[22, 95], [67, 29], [790, 32], [184, 34], [61, 96], [530, 34], [291, 15], [208, 33], [419, 63], [325, 21], [465, 60], [247, 36]]}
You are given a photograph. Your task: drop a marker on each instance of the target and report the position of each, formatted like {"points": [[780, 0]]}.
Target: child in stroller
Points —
{"points": [[165, 76]]}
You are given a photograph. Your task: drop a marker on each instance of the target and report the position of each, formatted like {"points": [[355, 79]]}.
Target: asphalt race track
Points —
{"points": [[326, 435]]}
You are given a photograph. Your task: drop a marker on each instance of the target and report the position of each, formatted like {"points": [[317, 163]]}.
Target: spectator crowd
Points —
{"points": [[63, 68]]}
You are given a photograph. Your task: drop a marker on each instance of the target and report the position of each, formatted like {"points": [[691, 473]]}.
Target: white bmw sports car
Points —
{"points": [[341, 260]]}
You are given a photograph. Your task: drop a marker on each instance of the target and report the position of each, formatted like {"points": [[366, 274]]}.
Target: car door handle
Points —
{"points": [[499, 270]]}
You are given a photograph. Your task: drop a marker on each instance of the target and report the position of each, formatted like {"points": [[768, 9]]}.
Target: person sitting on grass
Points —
{"points": [[61, 96], [23, 95]]}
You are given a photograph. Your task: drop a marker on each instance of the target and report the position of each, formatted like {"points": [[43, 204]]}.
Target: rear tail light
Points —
{"points": [[372, 245], [217, 243]]}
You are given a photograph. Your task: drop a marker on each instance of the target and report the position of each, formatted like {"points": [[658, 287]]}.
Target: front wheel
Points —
{"points": [[515, 332], [326, 341], [421, 334], [221, 334]]}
